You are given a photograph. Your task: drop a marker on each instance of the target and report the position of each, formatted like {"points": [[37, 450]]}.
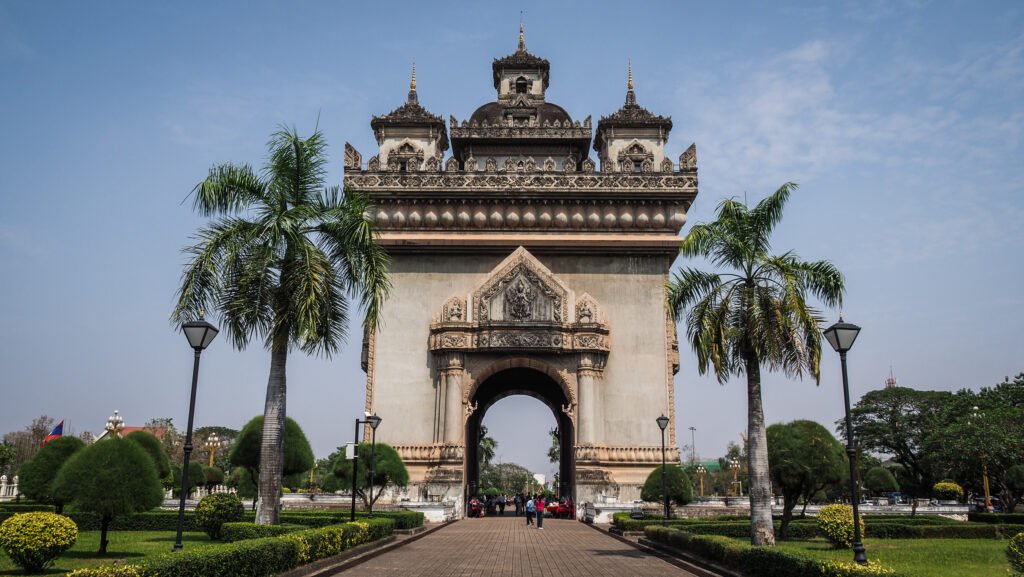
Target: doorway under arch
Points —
{"points": [[533, 383]]}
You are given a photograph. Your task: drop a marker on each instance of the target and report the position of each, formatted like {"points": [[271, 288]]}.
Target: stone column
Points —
{"points": [[453, 419], [589, 370]]}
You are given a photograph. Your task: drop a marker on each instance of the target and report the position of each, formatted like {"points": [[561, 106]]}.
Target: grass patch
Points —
{"points": [[126, 545], [924, 557]]}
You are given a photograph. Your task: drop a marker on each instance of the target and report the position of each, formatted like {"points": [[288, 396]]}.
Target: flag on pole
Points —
{"points": [[57, 432]]}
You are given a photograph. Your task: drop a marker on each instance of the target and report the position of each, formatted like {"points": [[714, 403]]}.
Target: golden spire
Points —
{"points": [[412, 83], [522, 39], [630, 85]]}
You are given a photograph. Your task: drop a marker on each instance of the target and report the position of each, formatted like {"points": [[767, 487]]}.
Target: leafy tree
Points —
{"points": [[555, 450], [488, 445], [508, 478], [804, 459], [35, 478], [755, 313], [280, 263], [154, 448], [172, 439], [196, 477], [1015, 485], [388, 471], [986, 439], [677, 485], [213, 476], [6, 457], [112, 478], [26, 441], [898, 421], [226, 435], [247, 451], [879, 480]]}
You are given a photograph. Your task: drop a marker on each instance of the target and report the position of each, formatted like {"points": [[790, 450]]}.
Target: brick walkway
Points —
{"points": [[505, 546]]}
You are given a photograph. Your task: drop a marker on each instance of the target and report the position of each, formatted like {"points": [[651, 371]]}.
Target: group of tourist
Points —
{"points": [[534, 507]]}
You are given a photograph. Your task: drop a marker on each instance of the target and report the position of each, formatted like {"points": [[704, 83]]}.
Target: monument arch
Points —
{"points": [[522, 266]]}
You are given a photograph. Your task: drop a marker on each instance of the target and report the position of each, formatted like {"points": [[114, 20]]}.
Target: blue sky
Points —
{"points": [[902, 122]]}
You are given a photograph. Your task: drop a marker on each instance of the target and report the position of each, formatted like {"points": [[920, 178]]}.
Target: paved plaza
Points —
{"points": [[505, 546]]}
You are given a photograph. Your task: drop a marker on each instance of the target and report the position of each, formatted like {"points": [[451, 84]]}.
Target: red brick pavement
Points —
{"points": [[506, 547]]}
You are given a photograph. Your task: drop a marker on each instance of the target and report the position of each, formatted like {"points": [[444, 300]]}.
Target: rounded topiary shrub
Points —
{"points": [[215, 510], [836, 522], [948, 491], [34, 540], [1015, 554]]}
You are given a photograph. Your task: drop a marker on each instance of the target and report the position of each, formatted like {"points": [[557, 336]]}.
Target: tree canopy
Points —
{"points": [[677, 485], [155, 448], [755, 312], [879, 480], [804, 459], [389, 471], [110, 478], [280, 263], [36, 476], [507, 478], [246, 451]]}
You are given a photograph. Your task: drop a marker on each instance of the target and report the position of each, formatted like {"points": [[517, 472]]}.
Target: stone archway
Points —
{"points": [[520, 381]]}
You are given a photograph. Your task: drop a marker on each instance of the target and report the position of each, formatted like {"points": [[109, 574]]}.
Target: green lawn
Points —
{"points": [[920, 557], [125, 545]]}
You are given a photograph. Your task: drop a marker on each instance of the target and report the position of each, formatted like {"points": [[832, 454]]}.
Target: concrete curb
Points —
{"points": [[696, 566]]}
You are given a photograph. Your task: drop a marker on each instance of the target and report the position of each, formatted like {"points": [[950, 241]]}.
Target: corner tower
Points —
{"points": [[519, 268]]}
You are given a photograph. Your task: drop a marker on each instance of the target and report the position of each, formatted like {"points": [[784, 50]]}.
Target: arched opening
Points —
{"points": [[521, 381], [521, 85]]}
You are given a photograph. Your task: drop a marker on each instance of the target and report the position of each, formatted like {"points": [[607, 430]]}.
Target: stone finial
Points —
{"points": [[629, 85], [522, 39], [412, 83], [630, 95]]}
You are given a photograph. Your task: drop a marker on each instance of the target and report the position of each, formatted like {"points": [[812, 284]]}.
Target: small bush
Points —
{"points": [[217, 509], [948, 491], [34, 540], [836, 522], [1015, 553]]}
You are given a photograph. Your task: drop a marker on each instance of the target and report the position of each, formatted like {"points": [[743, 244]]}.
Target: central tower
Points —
{"points": [[520, 266]]}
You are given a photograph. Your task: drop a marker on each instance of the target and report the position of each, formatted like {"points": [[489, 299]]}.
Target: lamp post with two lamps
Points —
{"points": [[841, 336], [373, 421], [734, 464], [662, 424], [701, 471], [199, 334]]}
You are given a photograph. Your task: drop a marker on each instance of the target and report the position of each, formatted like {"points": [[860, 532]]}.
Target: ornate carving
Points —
{"points": [[588, 165], [587, 310], [491, 165], [451, 165], [607, 454], [509, 166], [555, 131], [531, 164], [454, 310], [469, 408], [630, 183], [569, 165], [688, 159], [353, 160], [666, 165], [532, 289], [549, 164], [471, 164], [570, 410], [647, 165], [519, 299], [432, 164], [373, 165]]}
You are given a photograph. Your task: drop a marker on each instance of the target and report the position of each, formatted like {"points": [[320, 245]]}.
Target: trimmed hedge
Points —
{"points": [[258, 557], [751, 560], [997, 518], [27, 508], [165, 520], [231, 532]]}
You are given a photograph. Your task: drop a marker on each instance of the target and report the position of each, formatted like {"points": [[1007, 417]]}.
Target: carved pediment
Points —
{"points": [[521, 289]]}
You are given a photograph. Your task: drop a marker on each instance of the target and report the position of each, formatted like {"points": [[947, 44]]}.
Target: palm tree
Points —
{"points": [[756, 313], [281, 261], [487, 446]]}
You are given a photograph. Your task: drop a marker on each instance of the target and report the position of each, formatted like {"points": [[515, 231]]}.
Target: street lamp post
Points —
{"points": [[976, 416], [693, 444], [841, 336], [662, 424], [701, 471], [212, 443], [373, 421], [199, 334], [734, 464]]}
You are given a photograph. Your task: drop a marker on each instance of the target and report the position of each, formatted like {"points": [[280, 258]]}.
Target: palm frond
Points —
{"points": [[228, 189], [689, 286]]}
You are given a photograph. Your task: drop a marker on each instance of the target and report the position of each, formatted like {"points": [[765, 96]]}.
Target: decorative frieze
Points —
{"points": [[430, 452], [612, 454]]}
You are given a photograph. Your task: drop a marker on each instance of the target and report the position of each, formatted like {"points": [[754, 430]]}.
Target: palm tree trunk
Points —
{"points": [[761, 532], [272, 447]]}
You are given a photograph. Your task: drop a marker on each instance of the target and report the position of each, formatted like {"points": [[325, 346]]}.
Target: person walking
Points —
{"points": [[539, 506], [501, 504], [529, 512]]}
